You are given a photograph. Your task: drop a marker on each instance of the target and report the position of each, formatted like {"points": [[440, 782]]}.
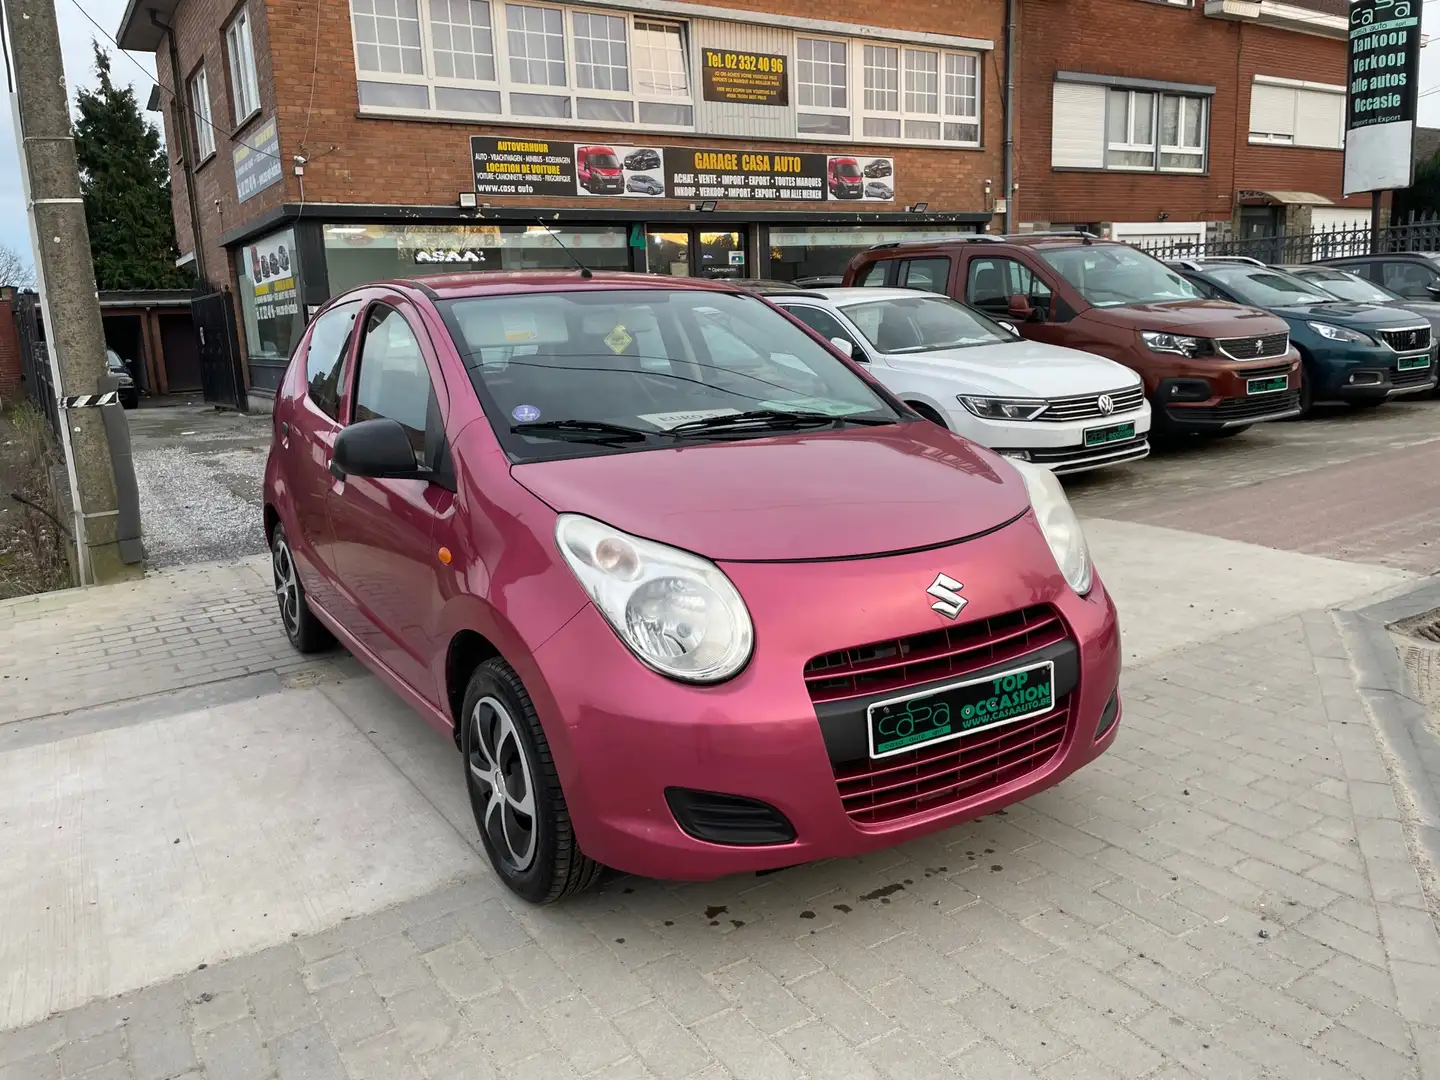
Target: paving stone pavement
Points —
{"points": [[1227, 893]]}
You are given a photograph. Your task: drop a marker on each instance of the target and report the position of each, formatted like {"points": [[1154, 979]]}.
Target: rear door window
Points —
{"points": [[927, 275]]}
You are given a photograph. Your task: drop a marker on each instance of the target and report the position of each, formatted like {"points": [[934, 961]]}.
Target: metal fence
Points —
{"points": [[35, 358], [1307, 247]]}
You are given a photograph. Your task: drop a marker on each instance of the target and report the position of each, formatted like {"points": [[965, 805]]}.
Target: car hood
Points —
{"points": [[830, 495], [1021, 368], [1201, 318], [1352, 313]]}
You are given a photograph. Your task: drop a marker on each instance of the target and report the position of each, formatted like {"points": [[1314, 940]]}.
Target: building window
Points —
{"points": [[1095, 126], [927, 108], [463, 40], [822, 84], [200, 110], [537, 45], [601, 57], [244, 85], [1287, 112], [662, 75]]}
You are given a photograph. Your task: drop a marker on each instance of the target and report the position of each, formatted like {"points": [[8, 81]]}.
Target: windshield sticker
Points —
{"points": [[519, 327], [525, 414], [828, 406], [619, 340], [668, 420]]}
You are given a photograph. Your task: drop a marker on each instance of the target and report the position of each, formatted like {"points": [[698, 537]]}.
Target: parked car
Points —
{"points": [[642, 160], [1415, 275], [1362, 354], [877, 190], [1202, 361], [598, 170], [658, 601], [128, 392], [763, 285], [845, 179], [878, 167], [1345, 285], [1067, 410], [645, 184], [822, 281]]}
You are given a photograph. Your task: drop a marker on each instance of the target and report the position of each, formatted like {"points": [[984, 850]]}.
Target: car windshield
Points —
{"points": [[922, 324], [604, 161], [847, 168], [1349, 287], [1268, 288], [113, 361], [567, 373], [1113, 275]]}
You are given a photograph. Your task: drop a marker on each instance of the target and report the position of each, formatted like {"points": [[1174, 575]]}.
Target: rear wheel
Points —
{"points": [[307, 633], [515, 791]]}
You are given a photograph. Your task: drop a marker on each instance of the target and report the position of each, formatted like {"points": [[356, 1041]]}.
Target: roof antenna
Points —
{"points": [[584, 270]]}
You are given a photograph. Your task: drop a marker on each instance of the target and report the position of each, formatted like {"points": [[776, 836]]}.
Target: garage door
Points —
{"points": [[1329, 218]]}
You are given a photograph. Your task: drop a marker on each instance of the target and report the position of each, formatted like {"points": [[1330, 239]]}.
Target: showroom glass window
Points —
{"points": [[268, 275]]}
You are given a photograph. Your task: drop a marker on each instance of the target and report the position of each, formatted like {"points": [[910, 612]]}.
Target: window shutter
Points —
{"points": [[1319, 118], [1077, 132], [1272, 110]]}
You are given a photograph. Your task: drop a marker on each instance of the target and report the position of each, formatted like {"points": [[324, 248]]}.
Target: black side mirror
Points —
{"points": [[379, 449], [1433, 288]]}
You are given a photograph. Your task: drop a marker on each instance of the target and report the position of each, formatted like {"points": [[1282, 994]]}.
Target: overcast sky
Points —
{"points": [[76, 34]]}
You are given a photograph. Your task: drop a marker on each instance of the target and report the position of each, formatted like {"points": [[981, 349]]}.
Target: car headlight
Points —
{"points": [[1340, 333], [678, 613], [994, 408], [1059, 524], [1179, 344]]}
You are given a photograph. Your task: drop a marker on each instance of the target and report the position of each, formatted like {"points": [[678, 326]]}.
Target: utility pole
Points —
{"points": [[74, 333]]}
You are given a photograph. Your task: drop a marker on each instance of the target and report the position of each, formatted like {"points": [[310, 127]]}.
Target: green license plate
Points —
{"points": [[1099, 436], [950, 712], [1413, 363], [1267, 386]]}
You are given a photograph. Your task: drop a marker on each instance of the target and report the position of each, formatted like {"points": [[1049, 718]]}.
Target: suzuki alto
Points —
{"points": [[693, 593]]}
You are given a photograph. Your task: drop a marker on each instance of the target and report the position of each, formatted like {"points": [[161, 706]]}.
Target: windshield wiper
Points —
{"points": [[598, 431], [767, 419]]}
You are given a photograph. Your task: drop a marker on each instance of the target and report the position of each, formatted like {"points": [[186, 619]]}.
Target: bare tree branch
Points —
{"points": [[16, 269]]}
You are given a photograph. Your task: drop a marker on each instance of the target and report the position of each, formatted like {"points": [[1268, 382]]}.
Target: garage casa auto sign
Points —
{"points": [[531, 167]]}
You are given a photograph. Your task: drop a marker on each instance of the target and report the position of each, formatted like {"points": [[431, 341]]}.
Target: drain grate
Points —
{"points": [[1425, 627]]}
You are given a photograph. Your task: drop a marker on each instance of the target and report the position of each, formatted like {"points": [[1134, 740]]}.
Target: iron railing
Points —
{"points": [[1307, 247]]}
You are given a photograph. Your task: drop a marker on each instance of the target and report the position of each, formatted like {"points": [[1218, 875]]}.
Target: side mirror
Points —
{"points": [[1433, 289], [1020, 308], [379, 449], [1009, 326], [849, 348]]}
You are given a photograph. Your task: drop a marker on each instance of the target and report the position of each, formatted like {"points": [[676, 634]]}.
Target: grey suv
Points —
{"points": [[1415, 275]]}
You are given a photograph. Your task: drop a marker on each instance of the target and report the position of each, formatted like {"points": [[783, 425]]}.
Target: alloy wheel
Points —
{"points": [[287, 587], [505, 783]]}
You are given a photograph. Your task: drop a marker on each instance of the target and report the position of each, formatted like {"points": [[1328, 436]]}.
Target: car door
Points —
{"points": [[385, 547], [1412, 279], [990, 282], [308, 433]]}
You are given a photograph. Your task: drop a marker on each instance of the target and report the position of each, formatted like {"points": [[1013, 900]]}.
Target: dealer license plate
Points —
{"points": [[1267, 386], [1413, 363], [1100, 436], [959, 709]]}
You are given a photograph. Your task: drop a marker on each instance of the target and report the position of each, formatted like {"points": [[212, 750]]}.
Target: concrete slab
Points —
{"points": [[137, 853], [1176, 589]]}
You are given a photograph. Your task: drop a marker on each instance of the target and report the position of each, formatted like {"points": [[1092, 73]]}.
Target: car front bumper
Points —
{"points": [[1206, 394], [622, 735], [1063, 447]]}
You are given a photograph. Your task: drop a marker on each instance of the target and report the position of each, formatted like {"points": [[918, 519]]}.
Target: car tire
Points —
{"points": [[306, 633], [515, 790], [928, 413], [1307, 392]]}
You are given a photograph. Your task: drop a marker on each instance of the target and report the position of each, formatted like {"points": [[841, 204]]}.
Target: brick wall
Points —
{"points": [[1180, 45], [9, 354]]}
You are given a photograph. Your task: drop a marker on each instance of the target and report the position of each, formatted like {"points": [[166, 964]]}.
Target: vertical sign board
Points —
{"points": [[1383, 71]]}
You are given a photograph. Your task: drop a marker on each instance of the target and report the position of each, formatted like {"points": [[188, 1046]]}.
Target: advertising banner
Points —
{"points": [[1383, 74], [744, 78], [257, 161], [544, 167]]}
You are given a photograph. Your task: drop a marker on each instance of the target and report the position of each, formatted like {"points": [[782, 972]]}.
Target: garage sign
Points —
{"points": [[1383, 71]]}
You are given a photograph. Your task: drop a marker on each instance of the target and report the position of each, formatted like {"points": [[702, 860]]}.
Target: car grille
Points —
{"points": [[950, 651], [1415, 339], [897, 787], [1087, 406], [1255, 348], [1073, 456], [1247, 408], [1266, 372], [1418, 377]]}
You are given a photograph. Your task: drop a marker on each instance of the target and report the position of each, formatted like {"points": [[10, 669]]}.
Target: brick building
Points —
{"points": [[1228, 120], [316, 144]]}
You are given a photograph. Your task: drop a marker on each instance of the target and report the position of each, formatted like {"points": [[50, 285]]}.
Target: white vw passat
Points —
{"points": [[1061, 408]]}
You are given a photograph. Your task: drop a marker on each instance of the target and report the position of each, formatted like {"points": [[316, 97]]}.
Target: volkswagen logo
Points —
{"points": [[1106, 404]]}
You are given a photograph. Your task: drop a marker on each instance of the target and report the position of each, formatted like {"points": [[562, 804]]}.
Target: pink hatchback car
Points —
{"points": [[694, 594]]}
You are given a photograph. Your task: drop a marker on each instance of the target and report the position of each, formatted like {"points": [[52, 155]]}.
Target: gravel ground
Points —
{"points": [[199, 472]]}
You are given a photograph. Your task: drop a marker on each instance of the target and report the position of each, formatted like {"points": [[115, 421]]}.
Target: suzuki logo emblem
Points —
{"points": [[946, 591], [1106, 404]]}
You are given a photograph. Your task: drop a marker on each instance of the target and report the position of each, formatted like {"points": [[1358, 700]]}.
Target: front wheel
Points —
{"points": [[515, 791], [307, 633]]}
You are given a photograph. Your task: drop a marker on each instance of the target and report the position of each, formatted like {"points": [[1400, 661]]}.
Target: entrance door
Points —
{"points": [[218, 346], [698, 252]]}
